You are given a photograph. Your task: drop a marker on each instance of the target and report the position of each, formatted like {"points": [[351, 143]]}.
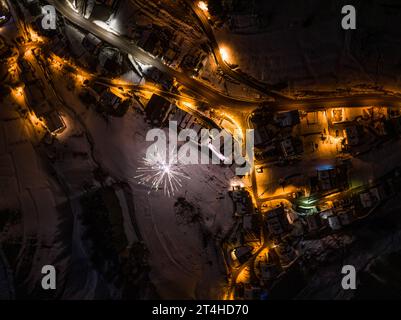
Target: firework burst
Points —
{"points": [[159, 174]]}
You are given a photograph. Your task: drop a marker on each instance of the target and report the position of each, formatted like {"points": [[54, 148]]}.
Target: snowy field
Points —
{"points": [[183, 241]]}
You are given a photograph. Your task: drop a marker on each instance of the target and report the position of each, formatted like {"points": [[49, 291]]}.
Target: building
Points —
{"points": [[36, 98], [251, 227], [339, 217], [91, 43], [353, 135], [291, 147], [27, 72], [250, 221], [241, 254], [286, 253], [334, 222], [314, 222], [370, 198], [149, 41], [265, 131], [277, 221], [110, 61], [330, 178], [38, 103], [162, 78], [346, 217], [109, 100], [261, 136], [287, 119], [337, 115], [53, 122], [252, 292], [96, 90], [184, 119], [268, 270], [157, 110], [242, 201]]}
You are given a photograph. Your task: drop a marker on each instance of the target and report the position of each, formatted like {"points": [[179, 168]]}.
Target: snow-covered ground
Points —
{"points": [[27, 186], [183, 249], [179, 261], [306, 46]]}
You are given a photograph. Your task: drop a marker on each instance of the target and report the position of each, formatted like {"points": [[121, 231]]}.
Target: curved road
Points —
{"points": [[241, 77], [283, 102], [210, 94], [347, 102]]}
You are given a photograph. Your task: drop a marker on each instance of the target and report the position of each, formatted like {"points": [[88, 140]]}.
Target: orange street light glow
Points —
{"points": [[203, 6], [188, 104], [19, 91], [234, 183], [35, 120], [225, 54], [35, 37], [18, 94]]}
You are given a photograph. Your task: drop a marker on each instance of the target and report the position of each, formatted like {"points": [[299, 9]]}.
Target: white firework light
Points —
{"points": [[161, 174]]}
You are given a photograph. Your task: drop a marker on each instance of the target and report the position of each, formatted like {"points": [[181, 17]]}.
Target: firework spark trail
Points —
{"points": [[158, 174]]}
